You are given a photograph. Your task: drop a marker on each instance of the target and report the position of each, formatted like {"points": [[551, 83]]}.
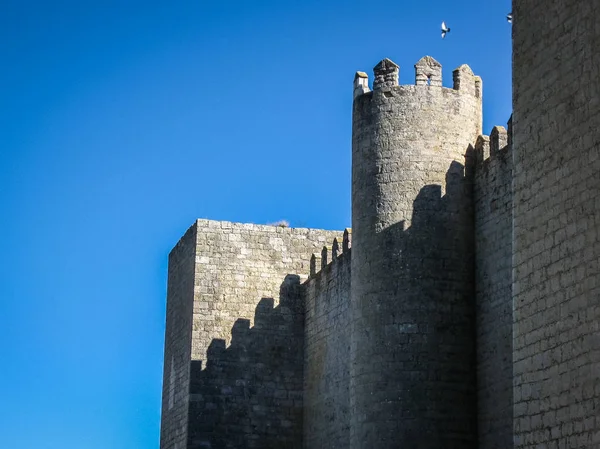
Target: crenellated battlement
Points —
{"points": [[464, 80], [428, 73], [323, 261], [499, 142], [315, 264], [482, 148], [386, 73], [347, 239], [326, 256], [336, 248], [361, 84]]}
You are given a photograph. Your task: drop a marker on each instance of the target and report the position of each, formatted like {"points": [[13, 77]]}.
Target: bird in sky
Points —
{"points": [[509, 17], [445, 30]]}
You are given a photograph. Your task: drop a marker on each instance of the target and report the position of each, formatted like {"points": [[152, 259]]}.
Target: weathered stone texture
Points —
{"points": [[386, 74], [327, 355], [250, 394], [556, 94], [428, 72], [412, 360], [246, 338], [239, 264], [493, 281], [178, 343]]}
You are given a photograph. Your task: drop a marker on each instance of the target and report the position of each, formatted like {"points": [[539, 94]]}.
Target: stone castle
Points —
{"points": [[462, 307]]}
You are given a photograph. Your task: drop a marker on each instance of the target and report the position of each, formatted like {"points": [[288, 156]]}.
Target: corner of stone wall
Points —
{"points": [[178, 337]]}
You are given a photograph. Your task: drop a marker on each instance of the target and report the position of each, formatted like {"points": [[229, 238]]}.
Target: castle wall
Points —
{"points": [[249, 394], [247, 343], [327, 355], [556, 287], [412, 366], [493, 281], [178, 338]]}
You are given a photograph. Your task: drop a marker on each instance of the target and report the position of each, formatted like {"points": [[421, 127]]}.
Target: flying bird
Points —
{"points": [[445, 30], [509, 18]]}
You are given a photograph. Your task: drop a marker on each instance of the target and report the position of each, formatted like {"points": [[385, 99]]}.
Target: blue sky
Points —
{"points": [[122, 122]]}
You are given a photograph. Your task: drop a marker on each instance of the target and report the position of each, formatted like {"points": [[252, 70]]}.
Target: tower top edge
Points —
{"points": [[428, 72]]}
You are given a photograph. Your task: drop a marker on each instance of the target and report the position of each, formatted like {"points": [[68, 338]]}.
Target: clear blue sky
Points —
{"points": [[122, 122]]}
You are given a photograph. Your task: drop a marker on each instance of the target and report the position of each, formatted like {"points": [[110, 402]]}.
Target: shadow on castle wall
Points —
{"points": [[414, 323], [249, 395], [422, 311]]}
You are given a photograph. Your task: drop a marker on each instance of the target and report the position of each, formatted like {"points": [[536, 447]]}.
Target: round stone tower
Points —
{"points": [[412, 367]]}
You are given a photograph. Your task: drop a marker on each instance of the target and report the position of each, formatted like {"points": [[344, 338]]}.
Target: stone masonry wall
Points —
{"points": [[556, 99], [178, 338], [412, 353], [493, 281], [250, 393], [247, 338], [327, 353]]}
